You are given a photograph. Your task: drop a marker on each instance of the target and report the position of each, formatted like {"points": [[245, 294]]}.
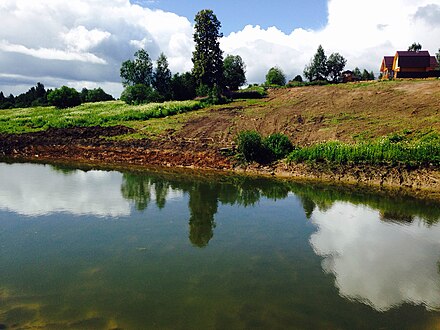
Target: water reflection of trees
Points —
{"points": [[205, 192]]}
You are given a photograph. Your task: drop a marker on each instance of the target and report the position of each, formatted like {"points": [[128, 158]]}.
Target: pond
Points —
{"points": [[93, 249]]}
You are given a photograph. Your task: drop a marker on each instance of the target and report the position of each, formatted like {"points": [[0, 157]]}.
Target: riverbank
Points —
{"points": [[93, 145], [190, 137]]}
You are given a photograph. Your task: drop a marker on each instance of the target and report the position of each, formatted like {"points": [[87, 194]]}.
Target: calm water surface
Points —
{"points": [[111, 250]]}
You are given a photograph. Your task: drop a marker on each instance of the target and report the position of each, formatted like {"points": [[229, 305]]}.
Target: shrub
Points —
{"points": [[279, 145], [250, 146], [139, 94], [64, 97]]}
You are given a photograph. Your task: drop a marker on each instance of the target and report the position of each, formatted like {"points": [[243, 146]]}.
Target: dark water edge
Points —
{"points": [[200, 251]]}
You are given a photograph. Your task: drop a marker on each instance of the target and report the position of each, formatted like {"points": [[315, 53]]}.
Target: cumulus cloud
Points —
{"points": [[381, 264], [78, 41], [356, 29]]}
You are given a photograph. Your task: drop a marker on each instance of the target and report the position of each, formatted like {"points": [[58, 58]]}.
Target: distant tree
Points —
{"points": [[64, 97], [84, 94], [357, 73], [207, 57], [275, 76], [183, 86], [335, 65], [415, 47], [437, 56], [234, 71], [372, 77], [317, 69], [138, 71], [95, 95], [365, 75], [139, 94], [162, 77], [298, 78], [98, 95]]}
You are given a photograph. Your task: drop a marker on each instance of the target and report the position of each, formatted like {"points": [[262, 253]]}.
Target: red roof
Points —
{"points": [[420, 59], [388, 62]]}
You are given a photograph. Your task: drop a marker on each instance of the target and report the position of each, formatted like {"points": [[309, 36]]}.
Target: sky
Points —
{"points": [[82, 43]]}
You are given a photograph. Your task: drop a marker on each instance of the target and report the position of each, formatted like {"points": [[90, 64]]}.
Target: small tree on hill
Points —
{"points": [[138, 71], [317, 69], [207, 57], [415, 47], [298, 78], [234, 71], [335, 65], [64, 97], [162, 77], [275, 76], [437, 56], [357, 73]]}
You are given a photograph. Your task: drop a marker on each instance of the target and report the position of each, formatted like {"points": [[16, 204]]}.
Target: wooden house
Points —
{"points": [[410, 64], [386, 69]]}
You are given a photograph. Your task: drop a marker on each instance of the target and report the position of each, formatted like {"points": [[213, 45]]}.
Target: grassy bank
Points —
{"points": [[88, 114], [394, 149]]}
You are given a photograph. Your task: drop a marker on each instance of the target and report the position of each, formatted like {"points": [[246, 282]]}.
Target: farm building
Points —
{"points": [[409, 64], [387, 67]]}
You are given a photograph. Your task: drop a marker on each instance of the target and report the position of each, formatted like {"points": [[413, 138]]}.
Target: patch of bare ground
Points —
{"points": [[308, 115]]}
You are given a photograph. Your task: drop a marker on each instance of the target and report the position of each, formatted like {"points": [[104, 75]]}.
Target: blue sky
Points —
{"points": [[286, 15]]}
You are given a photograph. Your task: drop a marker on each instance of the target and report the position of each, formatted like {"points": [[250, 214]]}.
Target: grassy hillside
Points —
{"points": [[88, 114], [356, 112]]}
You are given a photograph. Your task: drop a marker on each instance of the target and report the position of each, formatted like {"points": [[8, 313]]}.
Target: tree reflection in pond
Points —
{"points": [[206, 192]]}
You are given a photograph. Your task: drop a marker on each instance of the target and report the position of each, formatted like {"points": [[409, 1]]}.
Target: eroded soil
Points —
{"points": [[307, 115]]}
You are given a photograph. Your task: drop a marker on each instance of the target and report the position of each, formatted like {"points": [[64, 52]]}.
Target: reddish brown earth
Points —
{"points": [[306, 115]]}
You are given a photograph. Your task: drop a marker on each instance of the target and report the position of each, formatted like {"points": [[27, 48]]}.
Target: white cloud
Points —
{"points": [[81, 39], [381, 264], [35, 190], [50, 54], [362, 31], [92, 38]]}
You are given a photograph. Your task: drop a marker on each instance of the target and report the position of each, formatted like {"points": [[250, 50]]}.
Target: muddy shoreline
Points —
{"points": [[93, 146]]}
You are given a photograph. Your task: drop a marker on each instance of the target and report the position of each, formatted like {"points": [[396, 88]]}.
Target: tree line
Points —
{"points": [[62, 97]]}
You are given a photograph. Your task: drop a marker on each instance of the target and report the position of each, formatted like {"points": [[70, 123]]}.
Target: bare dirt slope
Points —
{"points": [[348, 112]]}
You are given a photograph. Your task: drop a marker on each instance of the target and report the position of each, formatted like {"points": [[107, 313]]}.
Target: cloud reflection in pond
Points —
{"points": [[34, 190], [383, 264]]}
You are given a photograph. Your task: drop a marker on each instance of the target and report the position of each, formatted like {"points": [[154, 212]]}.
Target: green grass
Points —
{"points": [[394, 149], [88, 114]]}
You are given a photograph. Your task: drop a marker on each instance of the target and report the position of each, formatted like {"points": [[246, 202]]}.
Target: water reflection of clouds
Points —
{"points": [[383, 264], [33, 190]]}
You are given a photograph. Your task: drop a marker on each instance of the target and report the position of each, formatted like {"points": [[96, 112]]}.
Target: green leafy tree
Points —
{"points": [[437, 56], [234, 72], [415, 47], [298, 78], [317, 69], [372, 77], [357, 73], [365, 75], [138, 71], [207, 57], [275, 76], [335, 65], [162, 77], [139, 94], [183, 86], [64, 97]]}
